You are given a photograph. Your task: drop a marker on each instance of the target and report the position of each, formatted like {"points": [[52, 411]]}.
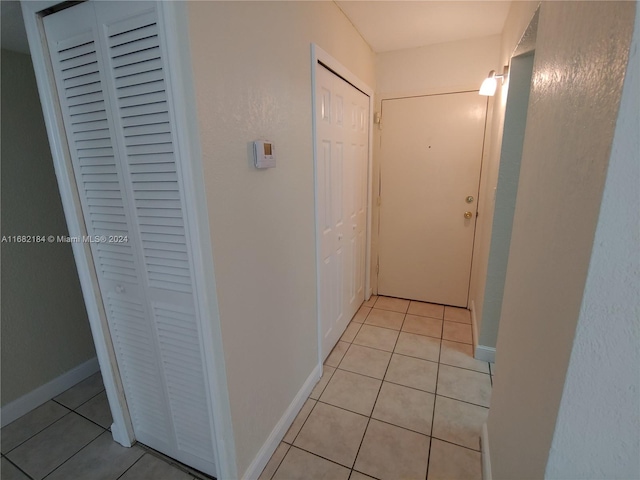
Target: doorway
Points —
{"points": [[431, 148], [342, 119]]}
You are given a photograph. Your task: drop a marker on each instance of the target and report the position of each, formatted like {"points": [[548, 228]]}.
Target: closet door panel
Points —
{"points": [[109, 71], [74, 46], [143, 118]]}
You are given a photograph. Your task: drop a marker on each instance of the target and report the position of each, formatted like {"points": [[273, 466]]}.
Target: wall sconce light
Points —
{"points": [[490, 83]]}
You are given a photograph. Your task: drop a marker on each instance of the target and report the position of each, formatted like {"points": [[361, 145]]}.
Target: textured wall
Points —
{"points": [[515, 121], [520, 14], [252, 75], [579, 67], [598, 429], [45, 330]]}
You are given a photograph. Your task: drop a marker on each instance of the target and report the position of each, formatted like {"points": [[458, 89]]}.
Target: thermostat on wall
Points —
{"points": [[264, 154]]}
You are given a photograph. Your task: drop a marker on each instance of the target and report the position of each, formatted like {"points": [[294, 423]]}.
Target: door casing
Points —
{"points": [[319, 55]]}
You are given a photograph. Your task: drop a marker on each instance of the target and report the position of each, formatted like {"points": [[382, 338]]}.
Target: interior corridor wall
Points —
{"points": [[252, 75], [580, 61], [606, 351], [518, 18], [45, 330]]}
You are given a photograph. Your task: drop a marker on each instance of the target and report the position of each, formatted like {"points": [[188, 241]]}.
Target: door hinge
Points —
{"points": [[377, 269], [379, 200]]}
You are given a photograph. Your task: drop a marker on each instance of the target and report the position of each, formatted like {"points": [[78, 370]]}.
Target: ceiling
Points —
{"points": [[396, 25], [385, 25]]}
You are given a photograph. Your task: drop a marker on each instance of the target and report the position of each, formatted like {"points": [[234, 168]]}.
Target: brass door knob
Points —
{"points": [[468, 215]]}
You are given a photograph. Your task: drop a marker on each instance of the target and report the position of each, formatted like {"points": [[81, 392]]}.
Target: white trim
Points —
{"points": [[485, 354], [426, 92], [474, 323], [279, 431], [23, 405], [484, 453], [319, 55], [180, 72], [123, 430]]}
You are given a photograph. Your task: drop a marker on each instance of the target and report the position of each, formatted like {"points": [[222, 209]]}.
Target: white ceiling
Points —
{"points": [[385, 25], [396, 25]]}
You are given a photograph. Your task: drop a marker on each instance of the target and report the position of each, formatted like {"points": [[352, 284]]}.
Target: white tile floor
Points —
{"points": [[68, 438], [401, 397]]}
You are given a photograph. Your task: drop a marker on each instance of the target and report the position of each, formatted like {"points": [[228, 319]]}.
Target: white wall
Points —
{"points": [[252, 74], [581, 56], [515, 121], [520, 14], [441, 68], [597, 434], [45, 330], [447, 67]]}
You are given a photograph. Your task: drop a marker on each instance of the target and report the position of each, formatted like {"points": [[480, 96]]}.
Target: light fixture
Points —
{"points": [[490, 83]]}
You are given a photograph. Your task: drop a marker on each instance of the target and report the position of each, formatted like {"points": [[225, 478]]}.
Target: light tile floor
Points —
{"points": [[401, 396], [68, 438]]}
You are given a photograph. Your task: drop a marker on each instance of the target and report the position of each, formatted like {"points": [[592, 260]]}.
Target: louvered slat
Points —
{"points": [[140, 373], [140, 89], [84, 108], [118, 118], [178, 337]]}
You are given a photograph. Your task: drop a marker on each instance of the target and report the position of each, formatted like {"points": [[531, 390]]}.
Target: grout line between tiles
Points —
{"points": [[131, 466], [463, 401], [461, 368], [355, 459], [40, 431], [175, 463], [20, 469], [457, 445], [315, 454], [279, 463], [435, 398], [74, 454], [305, 420]]}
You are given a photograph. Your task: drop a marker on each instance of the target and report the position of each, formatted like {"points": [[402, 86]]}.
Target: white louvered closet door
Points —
{"points": [[109, 66]]}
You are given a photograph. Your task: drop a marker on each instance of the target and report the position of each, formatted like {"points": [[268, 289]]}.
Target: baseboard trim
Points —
{"points": [[474, 323], [23, 405], [484, 453], [485, 354], [280, 430]]}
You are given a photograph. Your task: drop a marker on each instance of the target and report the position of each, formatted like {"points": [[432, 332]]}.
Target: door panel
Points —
{"points": [[108, 61], [431, 158], [342, 152]]}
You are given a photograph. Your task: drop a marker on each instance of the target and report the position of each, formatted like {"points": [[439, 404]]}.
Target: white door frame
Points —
{"points": [[179, 76], [319, 55]]}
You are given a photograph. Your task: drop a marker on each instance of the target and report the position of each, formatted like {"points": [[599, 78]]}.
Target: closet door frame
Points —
{"points": [[179, 76]]}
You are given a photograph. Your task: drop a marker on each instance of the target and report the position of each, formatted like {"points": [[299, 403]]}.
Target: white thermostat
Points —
{"points": [[264, 154]]}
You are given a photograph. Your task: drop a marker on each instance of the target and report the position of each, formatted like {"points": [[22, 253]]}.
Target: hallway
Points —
{"points": [[401, 397]]}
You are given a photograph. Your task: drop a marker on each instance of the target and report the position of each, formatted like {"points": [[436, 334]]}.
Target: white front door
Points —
{"points": [[342, 143], [430, 172]]}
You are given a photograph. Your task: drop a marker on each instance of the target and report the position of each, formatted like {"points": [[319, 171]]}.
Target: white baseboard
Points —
{"points": [[484, 453], [474, 322], [485, 354], [280, 430], [14, 410]]}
